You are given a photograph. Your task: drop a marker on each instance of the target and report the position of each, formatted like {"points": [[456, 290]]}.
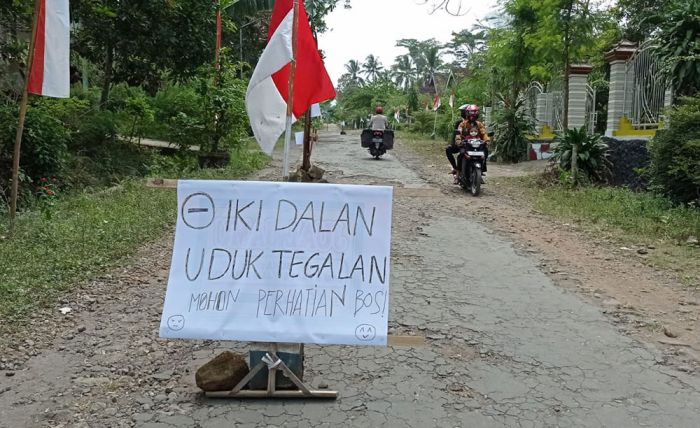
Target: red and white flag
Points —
{"points": [[50, 74], [436, 103], [267, 94]]}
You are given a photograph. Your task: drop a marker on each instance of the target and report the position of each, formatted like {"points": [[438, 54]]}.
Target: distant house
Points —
{"points": [[440, 82]]}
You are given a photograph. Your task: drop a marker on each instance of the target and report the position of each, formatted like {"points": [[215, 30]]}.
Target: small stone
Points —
{"points": [[692, 240], [162, 397], [323, 385], [670, 333], [642, 251], [9, 374], [81, 328]]}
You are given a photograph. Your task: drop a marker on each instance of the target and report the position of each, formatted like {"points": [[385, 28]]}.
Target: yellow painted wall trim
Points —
{"points": [[626, 129], [546, 134]]}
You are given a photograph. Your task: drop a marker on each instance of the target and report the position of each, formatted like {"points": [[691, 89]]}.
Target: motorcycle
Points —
{"points": [[377, 142], [470, 161]]}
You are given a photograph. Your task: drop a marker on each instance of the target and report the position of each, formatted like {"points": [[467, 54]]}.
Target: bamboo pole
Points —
{"points": [[22, 116], [290, 91]]}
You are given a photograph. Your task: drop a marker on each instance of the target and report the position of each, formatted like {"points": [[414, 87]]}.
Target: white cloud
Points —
{"points": [[374, 26]]}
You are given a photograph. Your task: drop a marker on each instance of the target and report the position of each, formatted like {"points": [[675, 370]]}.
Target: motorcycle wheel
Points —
{"points": [[475, 187], [463, 180]]}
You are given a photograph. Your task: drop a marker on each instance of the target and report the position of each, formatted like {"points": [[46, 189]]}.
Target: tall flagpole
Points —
{"points": [[22, 115], [290, 91]]}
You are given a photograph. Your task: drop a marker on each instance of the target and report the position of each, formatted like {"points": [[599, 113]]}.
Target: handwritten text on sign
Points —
{"points": [[280, 262]]}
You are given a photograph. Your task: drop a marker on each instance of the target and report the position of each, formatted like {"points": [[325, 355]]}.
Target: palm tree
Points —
{"points": [[404, 71], [433, 62], [372, 67], [354, 69], [465, 43]]}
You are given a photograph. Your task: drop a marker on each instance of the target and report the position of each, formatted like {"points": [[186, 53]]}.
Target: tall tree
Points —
{"points": [[426, 55], [140, 42], [679, 48], [354, 69], [465, 44], [641, 18], [404, 71], [371, 67]]}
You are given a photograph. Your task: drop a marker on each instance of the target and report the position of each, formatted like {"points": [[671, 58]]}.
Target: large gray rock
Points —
{"points": [[222, 373]]}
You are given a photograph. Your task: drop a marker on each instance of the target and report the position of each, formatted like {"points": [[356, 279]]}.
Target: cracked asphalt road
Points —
{"points": [[504, 345]]}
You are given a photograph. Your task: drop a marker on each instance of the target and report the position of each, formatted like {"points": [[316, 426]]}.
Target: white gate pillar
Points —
{"points": [[578, 79], [620, 83]]}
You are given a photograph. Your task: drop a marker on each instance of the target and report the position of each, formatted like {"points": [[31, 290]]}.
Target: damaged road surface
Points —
{"points": [[504, 345]]}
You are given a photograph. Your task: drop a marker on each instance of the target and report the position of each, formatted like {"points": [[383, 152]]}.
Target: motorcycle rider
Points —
{"points": [[378, 122], [470, 116]]}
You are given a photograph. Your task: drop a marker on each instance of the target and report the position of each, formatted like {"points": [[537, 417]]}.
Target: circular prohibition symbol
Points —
{"points": [[198, 210]]}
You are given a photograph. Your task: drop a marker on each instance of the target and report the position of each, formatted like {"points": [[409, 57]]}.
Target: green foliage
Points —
{"points": [[641, 17], [679, 48], [357, 102], [44, 145], [675, 154], [224, 119], [643, 216], [147, 41], [592, 154], [511, 129]]}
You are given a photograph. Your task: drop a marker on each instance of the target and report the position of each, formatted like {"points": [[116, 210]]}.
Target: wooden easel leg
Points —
{"points": [[274, 363]]}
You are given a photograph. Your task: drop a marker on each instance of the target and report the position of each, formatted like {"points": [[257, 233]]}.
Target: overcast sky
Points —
{"points": [[374, 26]]}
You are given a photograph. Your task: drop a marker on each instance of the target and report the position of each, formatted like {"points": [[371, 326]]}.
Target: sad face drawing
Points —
{"points": [[176, 322]]}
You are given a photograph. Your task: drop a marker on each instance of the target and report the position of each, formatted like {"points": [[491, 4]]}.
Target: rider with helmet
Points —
{"points": [[378, 122], [470, 115]]}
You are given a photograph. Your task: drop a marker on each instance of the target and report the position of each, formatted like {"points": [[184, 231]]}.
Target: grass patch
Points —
{"points": [[87, 233], [624, 216], [424, 146], [644, 215]]}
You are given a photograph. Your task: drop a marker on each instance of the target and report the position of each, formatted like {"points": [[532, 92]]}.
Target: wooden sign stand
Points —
{"points": [[273, 363]]}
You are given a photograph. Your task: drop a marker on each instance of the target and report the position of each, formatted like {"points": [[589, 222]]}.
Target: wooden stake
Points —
{"points": [[306, 160], [22, 116]]}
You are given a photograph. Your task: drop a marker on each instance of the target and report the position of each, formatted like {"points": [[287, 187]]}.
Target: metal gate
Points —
{"points": [[645, 95]]}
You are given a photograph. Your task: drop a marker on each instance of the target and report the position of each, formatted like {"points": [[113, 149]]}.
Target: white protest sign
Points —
{"points": [[280, 262]]}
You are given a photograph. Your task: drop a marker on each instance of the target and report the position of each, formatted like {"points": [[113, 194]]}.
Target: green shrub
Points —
{"points": [[511, 128], [592, 154], [675, 154], [44, 145], [422, 122], [96, 129]]}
